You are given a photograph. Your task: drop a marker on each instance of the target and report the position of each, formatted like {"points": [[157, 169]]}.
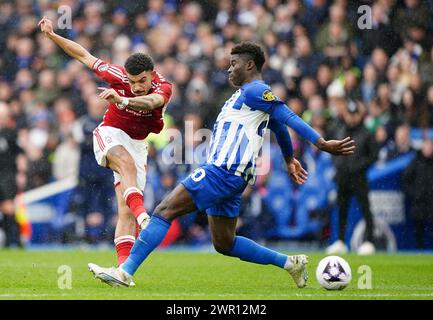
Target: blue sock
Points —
{"points": [[248, 250], [146, 242]]}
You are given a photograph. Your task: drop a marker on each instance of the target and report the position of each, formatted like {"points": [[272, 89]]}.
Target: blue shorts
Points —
{"points": [[215, 190]]}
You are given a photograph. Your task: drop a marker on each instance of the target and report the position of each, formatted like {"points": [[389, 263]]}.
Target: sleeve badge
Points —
{"points": [[268, 96]]}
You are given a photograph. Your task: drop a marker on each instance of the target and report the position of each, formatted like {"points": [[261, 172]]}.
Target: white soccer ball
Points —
{"points": [[333, 273]]}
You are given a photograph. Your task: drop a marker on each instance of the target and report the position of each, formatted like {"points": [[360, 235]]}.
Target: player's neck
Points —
{"points": [[253, 77]]}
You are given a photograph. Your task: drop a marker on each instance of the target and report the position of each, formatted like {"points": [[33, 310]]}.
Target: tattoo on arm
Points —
{"points": [[147, 103]]}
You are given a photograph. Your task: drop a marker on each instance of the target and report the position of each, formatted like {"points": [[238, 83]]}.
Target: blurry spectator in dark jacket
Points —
{"points": [[351, 176], [398, 146], [428, 109], [426, 68], [381, 33], [9, 151], [417, 182], [415, 13], [94, 197], [308, 59]]}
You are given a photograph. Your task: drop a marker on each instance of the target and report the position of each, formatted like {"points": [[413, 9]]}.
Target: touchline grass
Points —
{"points": [[173, 275]]}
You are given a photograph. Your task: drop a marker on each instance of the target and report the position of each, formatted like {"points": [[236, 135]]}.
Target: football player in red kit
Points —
{"points": [[137, 97]]}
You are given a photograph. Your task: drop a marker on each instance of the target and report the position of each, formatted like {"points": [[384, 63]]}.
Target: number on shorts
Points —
{"points": [[198, 174]]}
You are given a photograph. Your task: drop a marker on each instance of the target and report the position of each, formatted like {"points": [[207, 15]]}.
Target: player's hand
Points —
{"points": [[298, 174], [343, 147], [110, 95], [46, 25]]}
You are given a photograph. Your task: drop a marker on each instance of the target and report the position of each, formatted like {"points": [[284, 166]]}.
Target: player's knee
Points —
{"points": [[121, 160], [222, 245], [162, 210], [126, 163]]}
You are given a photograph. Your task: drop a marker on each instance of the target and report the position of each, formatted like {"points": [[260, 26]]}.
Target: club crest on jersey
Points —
{"points": [[103, 67], [268, 96]]}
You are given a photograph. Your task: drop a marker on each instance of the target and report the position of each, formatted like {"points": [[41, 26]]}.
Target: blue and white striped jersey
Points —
{"points": [[239, 129]]}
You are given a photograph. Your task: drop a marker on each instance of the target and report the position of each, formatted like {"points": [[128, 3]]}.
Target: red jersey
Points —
{"points": [[137, 124]]}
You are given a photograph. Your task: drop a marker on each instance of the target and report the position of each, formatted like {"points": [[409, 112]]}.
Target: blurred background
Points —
{"points": [[330, 71]]}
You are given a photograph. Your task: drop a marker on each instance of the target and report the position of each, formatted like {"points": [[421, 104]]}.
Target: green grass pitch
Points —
{"points": [[172, 275]]}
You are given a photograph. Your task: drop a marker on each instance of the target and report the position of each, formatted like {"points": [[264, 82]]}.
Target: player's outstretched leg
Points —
{"points": [[250, 251], [177, 203], [146, 242], [225, 242]]}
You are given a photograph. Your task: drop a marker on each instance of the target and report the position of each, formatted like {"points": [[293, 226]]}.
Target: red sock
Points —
{"points": [[134, 200], [123, 248]]}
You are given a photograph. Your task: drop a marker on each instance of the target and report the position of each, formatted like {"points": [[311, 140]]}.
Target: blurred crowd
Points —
{"points": [[319, 61]]}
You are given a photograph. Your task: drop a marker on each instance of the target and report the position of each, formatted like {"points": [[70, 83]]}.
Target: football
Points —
{"points": [[333, 273]]}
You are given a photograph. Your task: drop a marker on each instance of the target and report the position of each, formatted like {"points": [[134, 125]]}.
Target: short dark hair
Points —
{"points": [[253, 50], [138, 62]]}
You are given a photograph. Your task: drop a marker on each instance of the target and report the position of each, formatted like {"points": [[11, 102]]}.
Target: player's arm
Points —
{"points": [[261, 98], [294, 167], [148, 102], [336, 147], [70, 47]]}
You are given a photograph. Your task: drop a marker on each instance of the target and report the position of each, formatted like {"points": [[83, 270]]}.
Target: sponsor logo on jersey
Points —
{"points": [[268, 96]]}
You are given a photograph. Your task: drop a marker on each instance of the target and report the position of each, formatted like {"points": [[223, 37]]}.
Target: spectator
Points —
{"points": [[410, 110], [380, 61], [9, 151], [426, 68], [415, 12], [429, 108], [381, 34], [368, 84], [66, 159], [398, 146], [351, 178], [334, 38], [94, 197], [308, 59], [325, 75], [417, 180]]}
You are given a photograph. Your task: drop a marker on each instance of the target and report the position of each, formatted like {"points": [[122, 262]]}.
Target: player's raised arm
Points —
{"points": [[70, 47]]}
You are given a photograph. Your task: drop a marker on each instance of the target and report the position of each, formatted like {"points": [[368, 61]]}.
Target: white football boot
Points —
{"points": [[114, 277], [338, 247], [296, 266], [366, 248], [143, 220]]}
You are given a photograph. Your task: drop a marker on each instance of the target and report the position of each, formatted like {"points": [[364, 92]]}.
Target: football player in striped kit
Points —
{"points": [[216, 187]]}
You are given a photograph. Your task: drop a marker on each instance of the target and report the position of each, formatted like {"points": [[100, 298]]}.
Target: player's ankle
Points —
{"points": [[289, 264]]}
